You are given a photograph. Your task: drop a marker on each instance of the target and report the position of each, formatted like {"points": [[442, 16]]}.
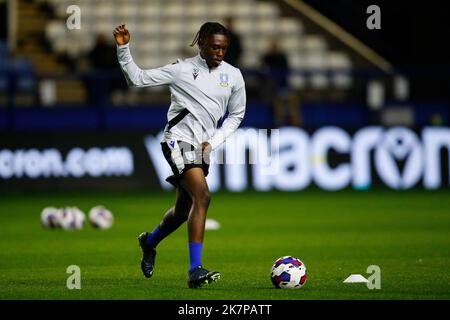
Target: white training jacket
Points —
{"points": [[207, 93]]}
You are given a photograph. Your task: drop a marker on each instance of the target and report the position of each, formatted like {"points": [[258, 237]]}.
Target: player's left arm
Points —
{"points": [[236, 111]]}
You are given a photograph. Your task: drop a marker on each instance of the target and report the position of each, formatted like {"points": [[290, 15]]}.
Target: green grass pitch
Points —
{"points": [[407, 234]]}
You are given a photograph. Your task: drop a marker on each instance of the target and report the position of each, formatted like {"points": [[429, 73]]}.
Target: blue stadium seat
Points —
{"points": [[4, 50], [24, 74], [4, 69]]}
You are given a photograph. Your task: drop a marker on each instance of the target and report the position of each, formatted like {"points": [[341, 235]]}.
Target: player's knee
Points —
{"points": [[206, 198], [203, 198]]}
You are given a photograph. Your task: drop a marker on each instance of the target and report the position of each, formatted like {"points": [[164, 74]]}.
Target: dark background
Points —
{"points": [[413, 37], [411, 34], [3, 20]]}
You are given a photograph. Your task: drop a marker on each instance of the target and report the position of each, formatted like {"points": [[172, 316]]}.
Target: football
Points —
{"points": [[288, 273], [51, 217], [72, 218], [100, 217]]}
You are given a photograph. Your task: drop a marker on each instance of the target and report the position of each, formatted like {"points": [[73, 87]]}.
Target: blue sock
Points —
{"points": [[155, 237], [195, 255]]}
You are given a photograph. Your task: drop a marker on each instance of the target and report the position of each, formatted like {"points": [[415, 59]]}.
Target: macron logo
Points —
{"points": [[172, 143]]}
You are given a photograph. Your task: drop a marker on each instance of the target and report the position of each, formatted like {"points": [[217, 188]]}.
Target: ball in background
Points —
{"points": [[51, 217], [100, 217], [72, 218]]}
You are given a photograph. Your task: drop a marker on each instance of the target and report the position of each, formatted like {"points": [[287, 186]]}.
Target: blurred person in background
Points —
{"points": [[203, 88], [234, 51], [285, 101], [104, 74]]}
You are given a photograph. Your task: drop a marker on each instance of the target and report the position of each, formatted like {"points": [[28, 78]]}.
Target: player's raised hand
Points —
{"points": [[121, 34]]}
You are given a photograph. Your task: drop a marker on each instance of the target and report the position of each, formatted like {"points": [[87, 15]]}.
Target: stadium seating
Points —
{"points": [[4, 74], [162, 30], [17, 78]]}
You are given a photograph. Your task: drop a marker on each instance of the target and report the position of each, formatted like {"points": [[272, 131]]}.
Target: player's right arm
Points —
{"points": [[134, 75]]}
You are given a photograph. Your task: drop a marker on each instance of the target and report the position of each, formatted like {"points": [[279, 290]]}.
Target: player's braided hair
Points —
{"points": [[207, 30]]}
